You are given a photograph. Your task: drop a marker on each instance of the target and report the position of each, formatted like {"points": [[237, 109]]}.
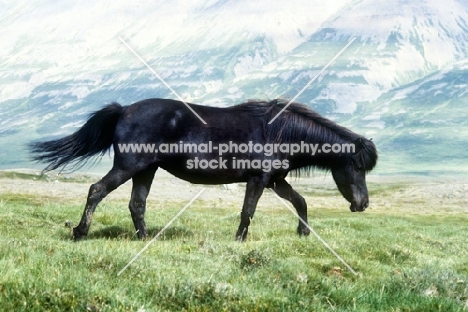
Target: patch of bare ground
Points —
{"points": [[388, 194]]}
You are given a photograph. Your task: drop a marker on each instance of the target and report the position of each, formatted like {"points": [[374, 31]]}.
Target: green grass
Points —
{"points": [[414, 262]]}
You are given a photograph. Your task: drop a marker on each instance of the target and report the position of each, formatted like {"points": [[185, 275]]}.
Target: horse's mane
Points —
{"points": [[300, 121]]}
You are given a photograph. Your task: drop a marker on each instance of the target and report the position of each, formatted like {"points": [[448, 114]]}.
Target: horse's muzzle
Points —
{"points": [[359, 208]]}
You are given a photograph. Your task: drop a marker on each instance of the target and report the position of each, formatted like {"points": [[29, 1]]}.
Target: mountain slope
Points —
{"points": [[401, 81], [423, 125]]}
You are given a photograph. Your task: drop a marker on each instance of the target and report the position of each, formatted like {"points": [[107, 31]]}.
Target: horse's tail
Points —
{"points": [[93, 138]]}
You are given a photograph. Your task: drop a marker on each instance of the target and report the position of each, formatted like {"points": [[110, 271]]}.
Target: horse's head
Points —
{"points": [[350, 176], [351, 182]]}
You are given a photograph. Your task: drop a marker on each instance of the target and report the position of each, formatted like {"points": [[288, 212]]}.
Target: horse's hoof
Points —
{"points": [[240, 239], [241, 234], [303, 231], [143, 237], [78, 234]]}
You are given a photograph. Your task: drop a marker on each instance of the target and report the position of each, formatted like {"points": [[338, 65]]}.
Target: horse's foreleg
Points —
{"points": [[285, 190], [254, 190], [97, 192], [141, 187]]}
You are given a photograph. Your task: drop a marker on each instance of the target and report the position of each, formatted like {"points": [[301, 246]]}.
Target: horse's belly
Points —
{"points": [[202, 174]]}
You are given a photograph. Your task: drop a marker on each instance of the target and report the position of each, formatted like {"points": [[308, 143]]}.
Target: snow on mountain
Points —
{"points": [[423, 123], [78, 43], [77, 36], [402, 38], [61, 61], [397, 42]]}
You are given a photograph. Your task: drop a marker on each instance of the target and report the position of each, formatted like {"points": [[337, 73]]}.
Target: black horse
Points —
{"points": [[237, 144]]}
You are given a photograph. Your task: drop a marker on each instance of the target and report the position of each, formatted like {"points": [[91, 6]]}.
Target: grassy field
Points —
{"points": [[410, 252]]}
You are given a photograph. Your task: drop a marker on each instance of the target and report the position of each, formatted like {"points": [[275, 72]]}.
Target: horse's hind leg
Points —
{"points": [[97, 192], [141, 187], [285, 190], [254, 190]]}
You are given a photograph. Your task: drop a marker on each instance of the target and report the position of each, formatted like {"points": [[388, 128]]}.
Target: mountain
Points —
{"points": [[400, 81], [424, 123], [396, 44], [62, 61]]}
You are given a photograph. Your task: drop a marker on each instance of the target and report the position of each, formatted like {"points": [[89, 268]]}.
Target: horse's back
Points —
{"points": [[167, 118]]}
